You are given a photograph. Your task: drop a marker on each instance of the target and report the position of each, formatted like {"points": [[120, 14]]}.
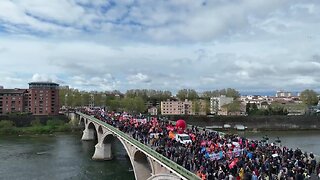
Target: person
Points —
{"points": [[254, 176]]}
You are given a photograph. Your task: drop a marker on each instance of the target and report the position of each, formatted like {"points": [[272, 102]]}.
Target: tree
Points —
{"points": [[196, 106], [133, 105], [229, 92], [190, 94], [233, 107], [232, 93], [309, 97], [85, 99]]}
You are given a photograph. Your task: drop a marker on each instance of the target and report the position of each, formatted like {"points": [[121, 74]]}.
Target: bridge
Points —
{"points": [[147, 163]]}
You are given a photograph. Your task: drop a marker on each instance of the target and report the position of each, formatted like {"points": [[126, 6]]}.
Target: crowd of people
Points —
{"points": [[215, 156]]}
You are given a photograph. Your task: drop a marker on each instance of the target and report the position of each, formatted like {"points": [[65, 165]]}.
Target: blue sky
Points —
{"points": [[127, 44]]}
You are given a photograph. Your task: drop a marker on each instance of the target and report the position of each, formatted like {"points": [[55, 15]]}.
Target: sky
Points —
{"points": [[104, 45]]}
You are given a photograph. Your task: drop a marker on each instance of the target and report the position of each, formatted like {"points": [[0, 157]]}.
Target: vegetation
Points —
{"points": [[309, 97], [273, 109], [8, 128], [233, 107], [189, 94], [135, 100], [133, 105], [229, 92]]}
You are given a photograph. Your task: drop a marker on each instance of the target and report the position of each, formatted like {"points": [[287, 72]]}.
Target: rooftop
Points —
{"points": [[12, 91], [43, 83]]}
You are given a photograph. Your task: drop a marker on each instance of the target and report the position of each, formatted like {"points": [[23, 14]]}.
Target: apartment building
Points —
{"points": [[43, 98], [176, 107], [12, 100]]}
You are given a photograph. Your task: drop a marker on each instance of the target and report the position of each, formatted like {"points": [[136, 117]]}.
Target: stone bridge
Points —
{"points": [[147, 164]]}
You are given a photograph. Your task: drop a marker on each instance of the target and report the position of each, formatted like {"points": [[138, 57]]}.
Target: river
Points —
{"points": [[65, 156], [308, 141], [62, 156]]}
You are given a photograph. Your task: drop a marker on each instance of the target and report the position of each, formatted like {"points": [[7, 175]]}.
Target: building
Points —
{"points": [[217, 102], [175, 107], [283, 94], [153, 111], [13, 100], [1, 87], [43, 98]]}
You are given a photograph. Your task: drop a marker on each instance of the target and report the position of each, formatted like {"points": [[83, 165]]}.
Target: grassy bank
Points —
{"points": [[8, 128]]}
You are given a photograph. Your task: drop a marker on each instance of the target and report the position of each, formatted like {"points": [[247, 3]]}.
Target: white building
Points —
{"points": [[217, 102], [283, 94], [153, 111]]}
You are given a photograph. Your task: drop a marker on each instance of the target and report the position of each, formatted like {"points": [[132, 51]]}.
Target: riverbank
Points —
{"points": [[52, 126]]}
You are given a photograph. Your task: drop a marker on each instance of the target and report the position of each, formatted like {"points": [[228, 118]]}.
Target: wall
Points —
{"points": [[256, 122], [25, 120]]}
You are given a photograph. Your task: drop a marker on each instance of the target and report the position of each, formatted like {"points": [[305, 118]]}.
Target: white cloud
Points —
{"points": [[44, 78], [138, 78], [100, 45]]}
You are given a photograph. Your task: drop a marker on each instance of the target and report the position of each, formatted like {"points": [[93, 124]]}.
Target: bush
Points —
{"points": [[55, 122], [6, 124], [37, 130], [63, 128], [36, 122]]}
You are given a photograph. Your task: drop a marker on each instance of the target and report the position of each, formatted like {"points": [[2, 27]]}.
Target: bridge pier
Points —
{"points": [[102, 151], [88, 134]]}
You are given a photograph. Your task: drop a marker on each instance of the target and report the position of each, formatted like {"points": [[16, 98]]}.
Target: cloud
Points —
{"points": [[125, 44], [138, 78], [105, 83], [45, 78]]}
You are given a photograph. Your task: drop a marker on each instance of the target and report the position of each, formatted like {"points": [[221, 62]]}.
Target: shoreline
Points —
{"points": [[38, 130]]}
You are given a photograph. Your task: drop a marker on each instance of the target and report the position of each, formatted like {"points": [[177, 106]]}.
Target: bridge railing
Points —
{"points": [[174, 166]]}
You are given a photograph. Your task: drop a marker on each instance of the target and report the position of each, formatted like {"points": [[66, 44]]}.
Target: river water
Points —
{"points": [[308, 141], [65, 156], [62, 156]]}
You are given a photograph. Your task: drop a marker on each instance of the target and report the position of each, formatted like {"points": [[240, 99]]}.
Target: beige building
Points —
{"points": [[175, 107]]}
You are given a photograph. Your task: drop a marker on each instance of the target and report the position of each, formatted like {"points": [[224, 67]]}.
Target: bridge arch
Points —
{"points": [[90, 132], [82, 121], [140, 162], [100, 130]]}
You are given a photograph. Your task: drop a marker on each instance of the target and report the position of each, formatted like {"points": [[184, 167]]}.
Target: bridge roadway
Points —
{"points": [[147, 163]]}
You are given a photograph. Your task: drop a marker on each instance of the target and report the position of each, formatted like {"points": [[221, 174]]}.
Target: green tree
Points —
{"points": [[190, 94], [233, 107], [133, 105], [309, 97], [232, 93], [229, 92], [196, 106], [85, 98]]}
